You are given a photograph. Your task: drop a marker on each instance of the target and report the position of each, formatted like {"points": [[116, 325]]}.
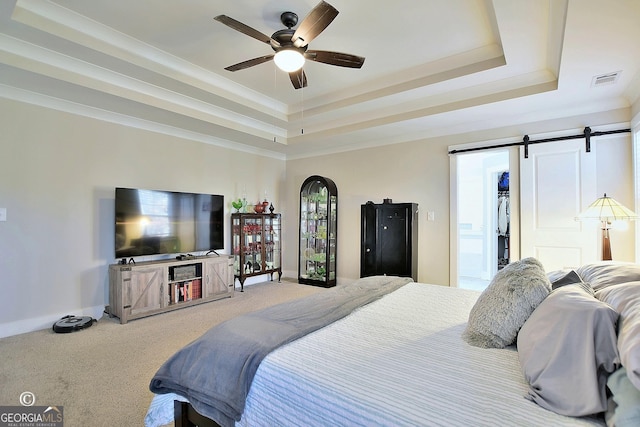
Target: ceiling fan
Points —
{"points": [[291, 46]]}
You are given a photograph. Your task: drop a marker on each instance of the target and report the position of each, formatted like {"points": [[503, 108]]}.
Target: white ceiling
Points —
{"points": [[432, 68]]}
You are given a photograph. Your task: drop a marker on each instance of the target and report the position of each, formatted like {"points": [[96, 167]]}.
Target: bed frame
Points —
{"points": [[186, 416]]}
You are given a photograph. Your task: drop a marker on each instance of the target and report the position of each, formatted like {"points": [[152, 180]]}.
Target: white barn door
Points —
{"points": [[557, 181]]}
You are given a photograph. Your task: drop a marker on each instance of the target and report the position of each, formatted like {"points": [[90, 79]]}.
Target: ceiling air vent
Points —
{"points": [[605, 79]]}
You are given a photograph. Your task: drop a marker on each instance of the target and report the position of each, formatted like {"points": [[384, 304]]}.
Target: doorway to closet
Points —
{"points": [[483, 216]]}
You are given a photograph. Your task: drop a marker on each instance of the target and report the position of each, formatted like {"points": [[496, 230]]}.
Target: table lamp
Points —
{"points": [[605, 209]]}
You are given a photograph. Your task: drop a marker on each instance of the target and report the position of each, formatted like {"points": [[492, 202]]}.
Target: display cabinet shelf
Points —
{"points": [[256, 245], [318, 232]]}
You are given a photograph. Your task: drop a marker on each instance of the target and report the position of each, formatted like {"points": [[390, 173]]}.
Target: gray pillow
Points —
{"points": [[606, 273], [571, 278], [504, 306], [557, 274], [625, 299], [567, 349]]}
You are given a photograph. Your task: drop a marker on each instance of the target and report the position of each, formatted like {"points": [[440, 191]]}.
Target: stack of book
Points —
{"points": [[185, 291]]}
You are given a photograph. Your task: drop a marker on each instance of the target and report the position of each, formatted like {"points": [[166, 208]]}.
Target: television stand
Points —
{"points": [[147, 288]]}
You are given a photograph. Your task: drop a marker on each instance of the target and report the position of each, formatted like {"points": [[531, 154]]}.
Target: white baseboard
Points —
{"points": [[45, 322]]}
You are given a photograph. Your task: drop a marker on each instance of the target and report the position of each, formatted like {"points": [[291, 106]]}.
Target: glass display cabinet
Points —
{"points": [[318, 232], [256, 245]]}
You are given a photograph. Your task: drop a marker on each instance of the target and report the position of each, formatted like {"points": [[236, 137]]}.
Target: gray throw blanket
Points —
{"points": [[215, 371]]}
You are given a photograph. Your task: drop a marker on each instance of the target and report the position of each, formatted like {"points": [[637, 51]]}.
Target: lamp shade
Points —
{"points": [[289, 60], [607, 209]]}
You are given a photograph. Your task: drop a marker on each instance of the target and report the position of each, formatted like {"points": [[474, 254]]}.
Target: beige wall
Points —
{"points": [[419, 172], [412, 172], [58, 172]]}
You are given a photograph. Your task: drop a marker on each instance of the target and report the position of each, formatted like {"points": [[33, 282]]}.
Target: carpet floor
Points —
{"points": [[100, 375]]}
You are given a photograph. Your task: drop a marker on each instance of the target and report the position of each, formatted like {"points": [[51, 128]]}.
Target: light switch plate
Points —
{"points": [[431, 216], [3, 214]]}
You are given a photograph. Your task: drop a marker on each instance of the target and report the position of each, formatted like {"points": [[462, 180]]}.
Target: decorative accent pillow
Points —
{"points": [[504, 306], [567, 349], [625, 299], [557, 274], [571, 278]]}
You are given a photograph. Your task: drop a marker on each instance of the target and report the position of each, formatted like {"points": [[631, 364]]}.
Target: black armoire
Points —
{"points": [[389, 239]]}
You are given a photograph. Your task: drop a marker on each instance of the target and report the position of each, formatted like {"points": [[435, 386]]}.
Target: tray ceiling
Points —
{"points": [[432, 68]]}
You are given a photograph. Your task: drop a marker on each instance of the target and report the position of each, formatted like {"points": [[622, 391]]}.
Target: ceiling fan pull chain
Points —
{"points": [[275, 88]]}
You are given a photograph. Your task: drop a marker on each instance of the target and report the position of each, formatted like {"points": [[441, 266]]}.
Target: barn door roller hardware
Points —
{"points": [[526, 142]]}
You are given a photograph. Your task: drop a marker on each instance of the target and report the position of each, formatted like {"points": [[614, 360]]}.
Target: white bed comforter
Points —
{"points": [[399, 361]]}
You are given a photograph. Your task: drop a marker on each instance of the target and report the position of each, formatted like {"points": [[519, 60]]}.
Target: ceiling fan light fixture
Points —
{"points": [[291, 46], [289, 60]]}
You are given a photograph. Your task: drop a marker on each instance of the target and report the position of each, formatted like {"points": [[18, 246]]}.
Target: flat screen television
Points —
{"points": [[154, 222]]}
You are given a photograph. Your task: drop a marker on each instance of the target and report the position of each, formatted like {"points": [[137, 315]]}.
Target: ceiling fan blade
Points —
{"points": [[245, 29], [335, 58], [298, 78], [314, 23], [249, 63]]}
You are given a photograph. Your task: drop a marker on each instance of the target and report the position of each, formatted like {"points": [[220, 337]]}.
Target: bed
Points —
{"points": [[398, 357]]}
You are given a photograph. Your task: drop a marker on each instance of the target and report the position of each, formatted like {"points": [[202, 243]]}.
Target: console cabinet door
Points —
{"points": [[144, 292], [218, 277]]}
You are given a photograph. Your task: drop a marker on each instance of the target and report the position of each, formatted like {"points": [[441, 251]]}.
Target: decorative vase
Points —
{"points": [[259, 208], [237, 204], [271, 208]]}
